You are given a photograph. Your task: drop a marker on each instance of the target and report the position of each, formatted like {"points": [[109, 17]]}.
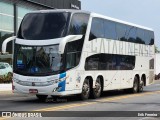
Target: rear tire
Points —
{"points": [[98, 89], [141, 85], [85, 90], [42, 97]]}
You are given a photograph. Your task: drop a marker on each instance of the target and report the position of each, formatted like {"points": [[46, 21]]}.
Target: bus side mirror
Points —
{"points": [[5, 42], [67, 39]]}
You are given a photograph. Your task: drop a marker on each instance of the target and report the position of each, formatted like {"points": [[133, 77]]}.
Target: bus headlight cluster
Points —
{"points": [[47, 83]]}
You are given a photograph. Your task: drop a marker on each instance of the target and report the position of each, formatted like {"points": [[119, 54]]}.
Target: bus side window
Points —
{"points": [[131, 34], [79, 24], [110, 30], [97, 29], [140, 36], [121, 31], [149, 37], [73, 53]]}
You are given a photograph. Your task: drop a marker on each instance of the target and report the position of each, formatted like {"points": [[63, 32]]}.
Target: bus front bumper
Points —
{"points": [[41, 90]]}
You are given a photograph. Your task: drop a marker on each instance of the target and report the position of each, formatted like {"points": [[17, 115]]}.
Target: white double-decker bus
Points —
{"points": [[66, 52]]}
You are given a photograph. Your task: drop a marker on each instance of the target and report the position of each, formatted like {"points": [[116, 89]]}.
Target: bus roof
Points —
{"points": [[61, 10], [92, 15]]}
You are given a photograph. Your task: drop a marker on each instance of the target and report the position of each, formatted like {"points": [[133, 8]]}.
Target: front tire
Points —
{"points": [[135, 87], [85, 90], [98, 89]]}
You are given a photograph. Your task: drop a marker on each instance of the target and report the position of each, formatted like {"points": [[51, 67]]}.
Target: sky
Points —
{"points": [[141, 12]]}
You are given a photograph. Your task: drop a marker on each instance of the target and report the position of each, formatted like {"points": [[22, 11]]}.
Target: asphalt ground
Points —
{"points": [[113, 105]]}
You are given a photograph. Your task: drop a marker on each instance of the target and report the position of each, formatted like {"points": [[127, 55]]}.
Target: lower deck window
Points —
{"points": [[110, 62]]}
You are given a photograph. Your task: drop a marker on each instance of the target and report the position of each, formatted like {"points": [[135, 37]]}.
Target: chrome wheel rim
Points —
{"points": [[85, 89], [135, 86], [97, 89]]}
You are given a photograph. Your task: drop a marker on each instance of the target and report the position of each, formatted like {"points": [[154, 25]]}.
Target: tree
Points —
{"points": [[156, 50]]}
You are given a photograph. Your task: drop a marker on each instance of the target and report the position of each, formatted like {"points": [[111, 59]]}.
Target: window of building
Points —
{"points": [[6, 17], [79, 24], [6, 8], [6, 24], [3, 36], [21, 13], [97, 29]]}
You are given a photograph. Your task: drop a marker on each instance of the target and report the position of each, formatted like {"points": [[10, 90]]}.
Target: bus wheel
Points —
{"points": [[85, 90], [98, 88], [135, 85], [42, 97], [141, 85]]}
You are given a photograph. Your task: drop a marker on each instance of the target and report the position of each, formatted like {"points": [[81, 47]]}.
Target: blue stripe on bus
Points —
{"points": [[62, 84], [62, 75]]}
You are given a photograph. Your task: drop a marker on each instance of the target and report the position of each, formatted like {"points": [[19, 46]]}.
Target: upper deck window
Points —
{"points": [[78, 24], [40, 26]]}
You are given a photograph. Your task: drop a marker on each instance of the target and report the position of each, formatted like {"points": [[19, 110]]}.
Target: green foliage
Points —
{"points": [[6, 79], [156, 50]]}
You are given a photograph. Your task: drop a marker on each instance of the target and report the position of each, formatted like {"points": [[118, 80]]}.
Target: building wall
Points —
{"points": [[6, 22], [65, 4]]}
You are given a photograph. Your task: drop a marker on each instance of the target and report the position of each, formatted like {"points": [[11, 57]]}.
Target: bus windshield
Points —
{"points": [[37, 60], [41, 26]]}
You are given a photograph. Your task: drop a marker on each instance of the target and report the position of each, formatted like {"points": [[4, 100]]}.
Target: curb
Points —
{"points": [[5, 87]]}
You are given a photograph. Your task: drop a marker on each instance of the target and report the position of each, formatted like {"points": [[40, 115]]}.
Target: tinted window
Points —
{"points": [[92, 62], [110, 62], [79, 24], [110, 29], [121, 31], [73, 53], [7, 65], [140, 36], [131, 33], [102, 28], [152, 38], [123, 62], [105, 62], [149, 37], [97, 29], [40, 26], [37, 60], [2, 66]]}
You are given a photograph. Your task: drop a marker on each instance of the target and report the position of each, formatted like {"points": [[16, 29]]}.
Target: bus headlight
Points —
{"points": [[50, 82], [57, 89]]}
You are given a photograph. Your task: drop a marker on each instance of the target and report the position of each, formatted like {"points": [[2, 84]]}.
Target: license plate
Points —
{"points": [[33, 91]]}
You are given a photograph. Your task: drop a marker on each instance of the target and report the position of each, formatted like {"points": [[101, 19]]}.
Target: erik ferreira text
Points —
{"points": [[147, 115]]}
